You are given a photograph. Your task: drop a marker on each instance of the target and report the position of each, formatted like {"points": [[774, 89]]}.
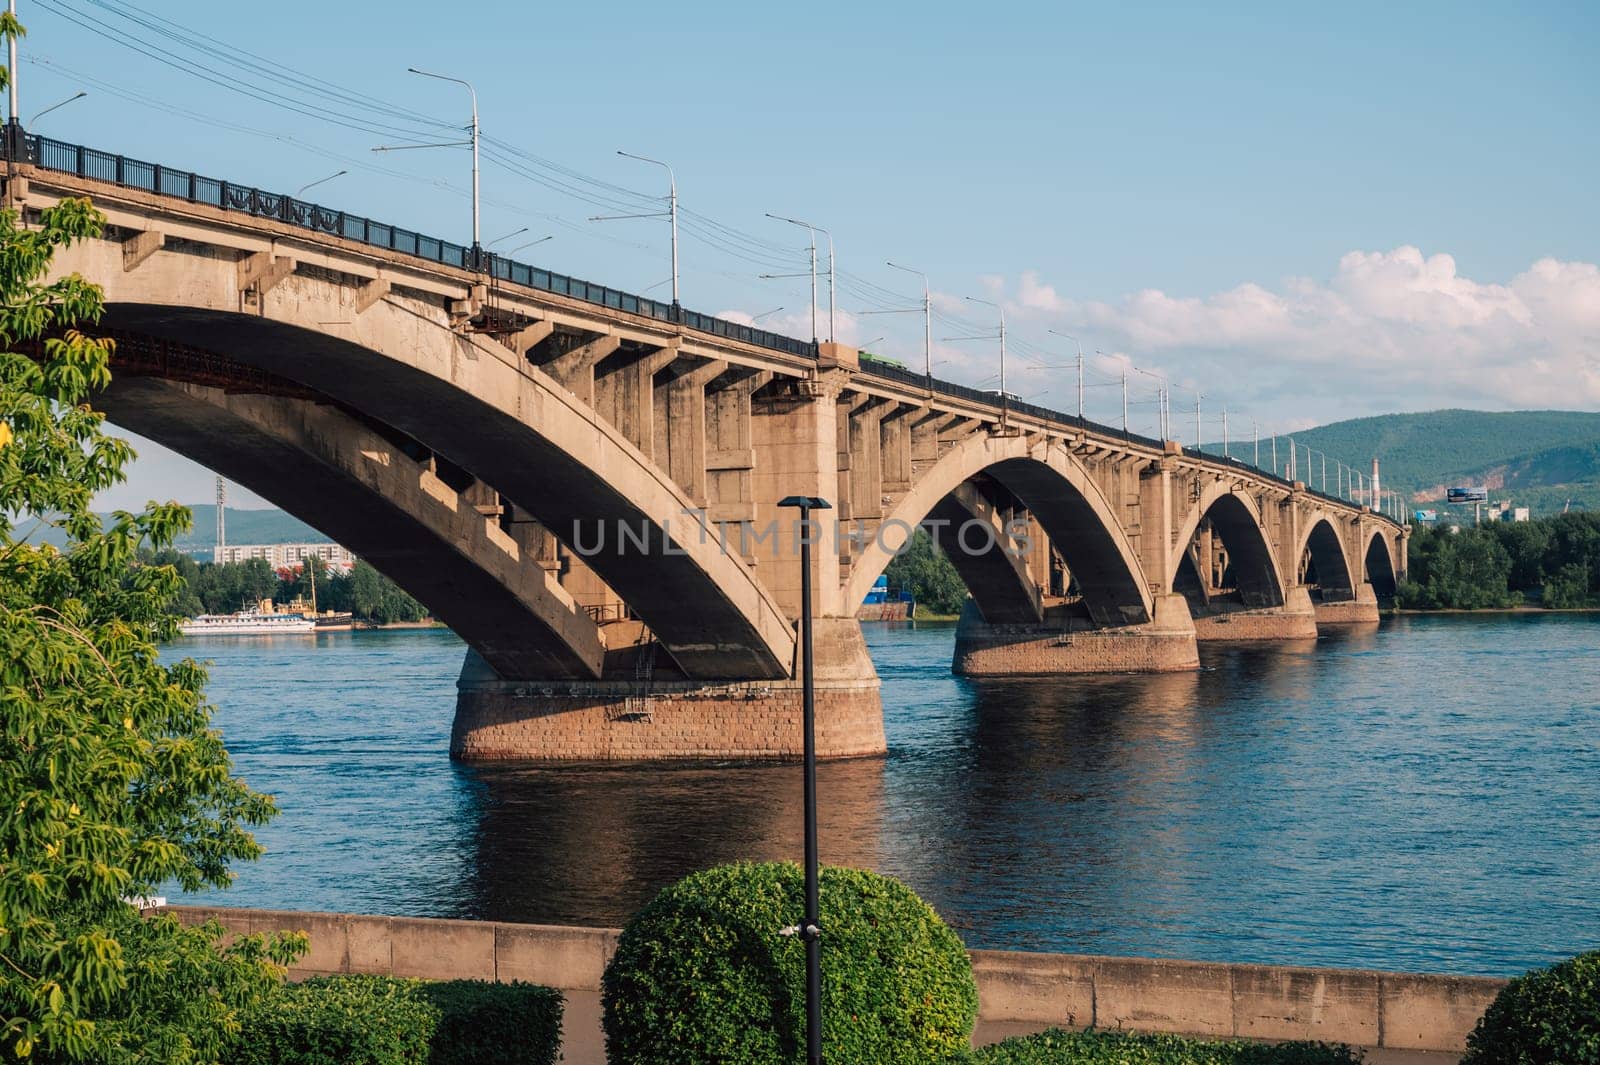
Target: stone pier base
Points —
{"points": [[1295, 620], [1362, 610], [1063, 644], [619, 720]]}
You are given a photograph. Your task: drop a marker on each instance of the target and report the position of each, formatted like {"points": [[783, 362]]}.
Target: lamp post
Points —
{"points": [[1005, 397], [927, 320], [814, 230], [1124, 367], [472, 142], [1161, 400], [474, 93], [1079, 346], [1225, 452], [672, 213], [1198, 396], [810, 931]]}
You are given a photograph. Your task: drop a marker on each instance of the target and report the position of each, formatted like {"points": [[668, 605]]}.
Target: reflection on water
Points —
{"points": [[1423, 797]]}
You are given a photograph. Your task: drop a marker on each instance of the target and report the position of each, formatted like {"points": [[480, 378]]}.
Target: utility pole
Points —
{"points": [[1197, 398], [1255, 435], [1079, 348], [1005, 397], [927, 317], [1225, 453], [672, 215], [222, 522], [814, 230]]}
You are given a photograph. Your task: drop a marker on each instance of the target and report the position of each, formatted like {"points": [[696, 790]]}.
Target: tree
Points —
{"points": [[932, 578], [111, 780]]}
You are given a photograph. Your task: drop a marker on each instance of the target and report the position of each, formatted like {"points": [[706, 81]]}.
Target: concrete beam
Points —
{"points": [[139, 247], [261, 271], [371, 293]]}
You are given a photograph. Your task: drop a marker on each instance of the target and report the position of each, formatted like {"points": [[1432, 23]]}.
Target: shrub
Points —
{"points": [[379, 1020], [494, 1024], [1056, 1047], [702, 974], [1543, 1017], [339, 1020]]}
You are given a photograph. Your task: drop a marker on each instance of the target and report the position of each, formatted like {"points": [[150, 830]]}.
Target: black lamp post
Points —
{"points": [[810, 930]]}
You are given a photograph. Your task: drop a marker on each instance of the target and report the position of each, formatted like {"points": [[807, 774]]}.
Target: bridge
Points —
{"points": [[584, 483]]}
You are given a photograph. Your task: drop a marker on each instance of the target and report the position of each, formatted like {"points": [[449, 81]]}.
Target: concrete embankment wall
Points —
{"points": [[1017, 992]]}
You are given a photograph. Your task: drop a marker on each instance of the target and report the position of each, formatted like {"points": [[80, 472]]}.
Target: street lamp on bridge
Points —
{"points": [[814, 230], [80, 95], [672, 215], [472, 142], [1079, 346], [1005, 397], [927, 319]]}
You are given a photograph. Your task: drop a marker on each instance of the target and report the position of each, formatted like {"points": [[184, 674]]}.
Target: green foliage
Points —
{"points": [[379, 1020], [933, 580], [1057, 1047], [111, 781], [341, 1020], [494, 1024], [1554, 559], [703, 973], [1544, 1017]]}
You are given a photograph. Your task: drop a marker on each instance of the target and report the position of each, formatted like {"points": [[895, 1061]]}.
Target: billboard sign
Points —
{"points": [[1427, 516], [1466, 495]]}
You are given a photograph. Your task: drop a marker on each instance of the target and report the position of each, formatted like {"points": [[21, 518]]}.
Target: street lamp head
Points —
{"points": [[805, 502]]}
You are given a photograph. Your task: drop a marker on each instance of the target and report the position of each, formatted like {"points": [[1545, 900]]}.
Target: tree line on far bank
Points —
{"points": [[223, 587], [1554, 562]]}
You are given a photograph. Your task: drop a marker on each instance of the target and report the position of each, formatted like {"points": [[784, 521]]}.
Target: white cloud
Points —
{"points": [[1387, 331]]}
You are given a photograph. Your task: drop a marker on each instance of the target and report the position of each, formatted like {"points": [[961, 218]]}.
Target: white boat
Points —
{"points": [[250, 622]]}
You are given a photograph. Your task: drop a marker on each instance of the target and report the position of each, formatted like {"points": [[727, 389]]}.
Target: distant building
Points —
{"points": [[1520, 514], [285, 556]]}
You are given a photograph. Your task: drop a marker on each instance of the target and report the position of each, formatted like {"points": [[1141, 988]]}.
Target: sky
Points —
{"points": [[1303, 212]]}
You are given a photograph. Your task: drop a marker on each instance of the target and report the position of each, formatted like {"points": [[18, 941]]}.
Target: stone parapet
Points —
{"points": [[1017, 992], [1066, 645]]}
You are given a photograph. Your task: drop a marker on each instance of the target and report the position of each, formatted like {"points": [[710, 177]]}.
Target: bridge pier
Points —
{"points": [[1066, 642], [1362, 610], [631, 719], [1232, 623]]}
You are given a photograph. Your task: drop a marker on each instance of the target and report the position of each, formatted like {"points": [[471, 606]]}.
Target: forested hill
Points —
{"points": [[1535, 458], [244, 527]]}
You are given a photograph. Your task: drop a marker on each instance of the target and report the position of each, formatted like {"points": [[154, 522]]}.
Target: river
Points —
{"points": [[1421, 797]]}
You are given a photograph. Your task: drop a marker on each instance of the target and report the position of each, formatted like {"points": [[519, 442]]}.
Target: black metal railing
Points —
{"points": [[96, 165]]}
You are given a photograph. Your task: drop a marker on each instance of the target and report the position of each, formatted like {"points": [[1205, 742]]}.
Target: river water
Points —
{"points": [[1421, 797]]}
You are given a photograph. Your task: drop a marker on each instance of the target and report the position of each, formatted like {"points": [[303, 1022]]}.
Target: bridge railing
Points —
{"points": [[901, 375], [60, 156], [67, 158]]}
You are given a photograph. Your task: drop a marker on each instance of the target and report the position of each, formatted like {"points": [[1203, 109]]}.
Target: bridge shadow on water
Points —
{"points": [[996, 796]]}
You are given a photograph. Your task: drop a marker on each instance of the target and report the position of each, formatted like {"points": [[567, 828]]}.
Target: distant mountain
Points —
{"points": [[243, 527], [1538, 459]]}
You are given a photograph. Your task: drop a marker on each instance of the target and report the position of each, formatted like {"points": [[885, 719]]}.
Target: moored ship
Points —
{"points": [[252, 621]]}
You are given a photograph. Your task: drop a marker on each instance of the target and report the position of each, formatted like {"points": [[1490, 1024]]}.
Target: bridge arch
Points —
{"points": [[346, 479], [1237, 521], [487, 410], [1061, 495], [1378, 564], [1323, 543]]}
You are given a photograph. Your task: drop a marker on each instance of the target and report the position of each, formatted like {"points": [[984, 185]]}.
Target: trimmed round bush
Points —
{"points": [[1544, 1017], [702, 973]]}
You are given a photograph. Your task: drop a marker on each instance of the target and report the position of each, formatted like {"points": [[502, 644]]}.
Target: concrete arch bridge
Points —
{"points": [[584, 483]]}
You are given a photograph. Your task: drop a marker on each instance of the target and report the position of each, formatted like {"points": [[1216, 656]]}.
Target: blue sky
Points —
{"points": [[1313, 212]]}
